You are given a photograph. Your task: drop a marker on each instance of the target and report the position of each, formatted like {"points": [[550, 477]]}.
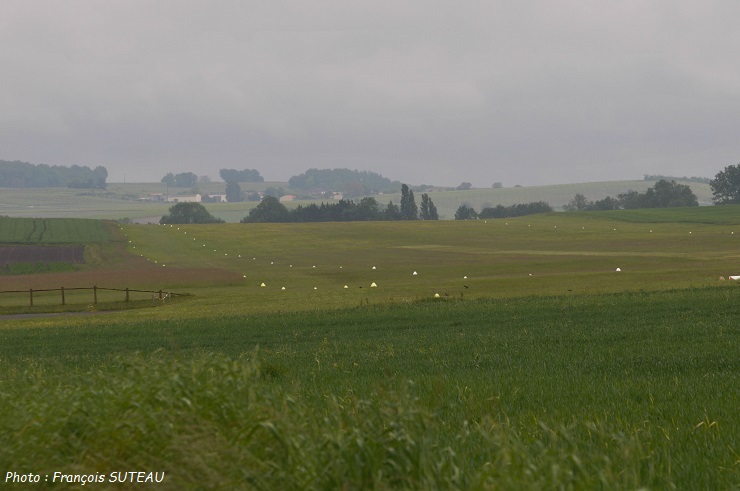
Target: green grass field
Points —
{"points": [[576, 377], [51, 231]]}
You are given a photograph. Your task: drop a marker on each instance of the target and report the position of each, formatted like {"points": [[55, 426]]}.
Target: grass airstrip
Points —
{"points": [[560, 351]]}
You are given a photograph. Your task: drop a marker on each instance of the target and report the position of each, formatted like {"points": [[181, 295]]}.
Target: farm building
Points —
{"points": [[184, 199]]}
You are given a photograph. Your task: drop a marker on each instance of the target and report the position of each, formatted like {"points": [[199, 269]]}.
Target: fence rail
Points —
{"points": [[160, 295]]}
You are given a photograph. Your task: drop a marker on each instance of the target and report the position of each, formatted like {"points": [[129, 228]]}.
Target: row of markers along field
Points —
{"points": [[539, 255]]}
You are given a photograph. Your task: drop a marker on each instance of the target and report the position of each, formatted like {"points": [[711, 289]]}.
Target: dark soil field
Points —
{"points": [[42, 254]]}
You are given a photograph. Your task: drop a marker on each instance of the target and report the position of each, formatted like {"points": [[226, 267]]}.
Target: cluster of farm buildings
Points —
{"points": [[218, 198]]}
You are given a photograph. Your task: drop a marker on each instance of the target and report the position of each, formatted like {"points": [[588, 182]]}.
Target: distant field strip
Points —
{"points": [[602, 253], [51, 230], [42, 254]]}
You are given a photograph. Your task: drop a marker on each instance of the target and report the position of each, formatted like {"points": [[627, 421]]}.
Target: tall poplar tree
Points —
{"points": [[409, 210]]}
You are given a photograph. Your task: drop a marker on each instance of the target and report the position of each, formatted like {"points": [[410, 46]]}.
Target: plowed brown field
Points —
{"points": [[42, 254]]}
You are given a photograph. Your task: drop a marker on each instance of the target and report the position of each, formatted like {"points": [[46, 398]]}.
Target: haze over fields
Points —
{"points": [[529, 93]]}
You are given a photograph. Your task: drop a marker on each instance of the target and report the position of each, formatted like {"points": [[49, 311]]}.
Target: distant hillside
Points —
{"points": [[19, 174], [557, 196]]}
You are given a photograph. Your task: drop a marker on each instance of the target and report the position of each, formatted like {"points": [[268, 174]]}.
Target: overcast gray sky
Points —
{"points": [[423, 91]]}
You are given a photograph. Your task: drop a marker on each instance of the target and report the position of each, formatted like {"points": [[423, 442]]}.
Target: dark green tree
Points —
{"points": [[392, 212], [189, 213], [169, 179], [465, 212], [427, 211], [367, 209], [409, 210], [270, 209], [185, 180], [233, 192], [726, 186], [246, 175], [578, 203], [666, 194]]}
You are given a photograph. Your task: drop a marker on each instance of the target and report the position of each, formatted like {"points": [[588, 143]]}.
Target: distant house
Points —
{"points": [[161, 198], [337, 195], [184, 199], [287, 197], [218, 198]]}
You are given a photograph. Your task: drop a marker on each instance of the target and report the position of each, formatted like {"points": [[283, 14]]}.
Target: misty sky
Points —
{"points": [[435, 92]]}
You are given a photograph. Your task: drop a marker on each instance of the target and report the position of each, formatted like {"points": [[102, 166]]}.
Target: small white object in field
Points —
{"points": [[240, 255], [414, 273], [373, 267], [651, 231], [436, 295], [346, 286], [373, 285], [721, 278], [556, 226], [283, 288], [315, 288], [735, 278], [313, 266], [163, 265], [291, 265], [244, 276], [465, 277], [619, 269], [530, 274], [225, 254], [272, 262], [340, 267], [615, 229], [263, 284]]}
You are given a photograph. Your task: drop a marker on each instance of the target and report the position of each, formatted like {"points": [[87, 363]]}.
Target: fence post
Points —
{"points": [[62, 295], [127, 294], [95, 295], [30, 292], [160, 294]]}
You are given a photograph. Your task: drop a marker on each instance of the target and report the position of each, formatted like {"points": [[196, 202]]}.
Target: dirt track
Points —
{"points": [[42, 254]]}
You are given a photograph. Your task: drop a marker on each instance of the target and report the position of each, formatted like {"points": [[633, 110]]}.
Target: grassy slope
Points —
{"points": [[619, 390]]}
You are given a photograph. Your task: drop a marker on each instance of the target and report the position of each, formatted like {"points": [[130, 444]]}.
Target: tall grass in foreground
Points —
{"points": [[593, 392], [212, 422]]}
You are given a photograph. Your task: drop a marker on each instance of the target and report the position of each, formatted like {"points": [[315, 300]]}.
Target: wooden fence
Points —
{"points": [[157, 295]]}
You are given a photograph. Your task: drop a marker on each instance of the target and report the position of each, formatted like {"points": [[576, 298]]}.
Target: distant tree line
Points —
{"points": [[245, 175], [663, 194], [181, 180], [18, 174], [183, 213], [467, 212], [271, 209], [346, 181]]}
